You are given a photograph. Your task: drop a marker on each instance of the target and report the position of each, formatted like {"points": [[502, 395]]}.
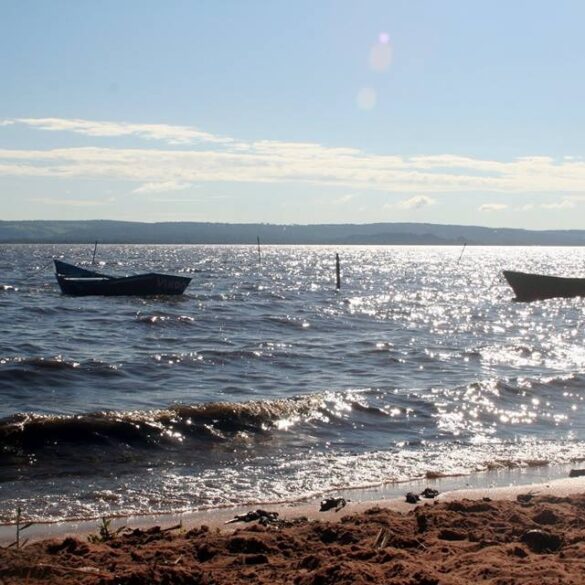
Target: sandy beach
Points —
{"points": [[526, 534]]}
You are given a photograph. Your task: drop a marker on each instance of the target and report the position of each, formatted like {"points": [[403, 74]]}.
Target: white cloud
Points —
{"points": [[163, 132], [491, 207], [161, 187], [224, 159], [564, 204], [416, 202]]}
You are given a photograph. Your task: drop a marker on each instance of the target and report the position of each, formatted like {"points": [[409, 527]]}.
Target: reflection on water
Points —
{"points": [[263, 383]]}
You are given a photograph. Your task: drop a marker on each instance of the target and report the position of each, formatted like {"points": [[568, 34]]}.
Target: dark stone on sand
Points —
{"points": [[577, 472], [541, 541], [429, 493], [412, 498]]}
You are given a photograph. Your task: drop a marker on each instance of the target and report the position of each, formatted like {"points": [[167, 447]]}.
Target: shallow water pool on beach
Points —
{"points": [[264, 384]]}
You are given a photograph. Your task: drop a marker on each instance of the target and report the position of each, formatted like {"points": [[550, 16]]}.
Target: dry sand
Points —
{"points": [[529, 534]]}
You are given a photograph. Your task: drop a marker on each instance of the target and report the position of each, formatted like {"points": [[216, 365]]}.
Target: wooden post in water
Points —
{"points": [[94, 251], [461, 255], [337, 271], [259, 253]]}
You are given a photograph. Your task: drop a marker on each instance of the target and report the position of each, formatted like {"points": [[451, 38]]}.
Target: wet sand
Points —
{"points": [[527, 534]]}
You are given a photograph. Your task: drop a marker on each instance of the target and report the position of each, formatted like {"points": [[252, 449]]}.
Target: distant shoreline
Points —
{"points": [[267, 244], [194, 233]]}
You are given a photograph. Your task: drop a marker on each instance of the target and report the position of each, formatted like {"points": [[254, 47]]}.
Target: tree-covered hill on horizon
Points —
{"points": [[123, 232]]}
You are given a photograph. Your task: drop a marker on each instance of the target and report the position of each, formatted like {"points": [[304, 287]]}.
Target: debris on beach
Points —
{"points": [[261, 516], [541, 541], [463, 541], [334, 504], [412, 498], [577, 473], [429, 493], [382, 538], [524, 498]]}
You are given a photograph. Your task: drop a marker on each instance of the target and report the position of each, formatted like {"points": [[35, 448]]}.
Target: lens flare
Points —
{"points": [[380, 56], [366, 98]]}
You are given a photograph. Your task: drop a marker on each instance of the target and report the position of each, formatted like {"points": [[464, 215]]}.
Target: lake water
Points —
{"points": [[264, 384]]}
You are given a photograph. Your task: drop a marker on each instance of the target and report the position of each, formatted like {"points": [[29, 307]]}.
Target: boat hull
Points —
{"points": [[139, 285], [534, 287], [81, 282]]}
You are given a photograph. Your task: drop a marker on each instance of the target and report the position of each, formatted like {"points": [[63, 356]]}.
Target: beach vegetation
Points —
{"points": [[20, 527], [105, 532]]}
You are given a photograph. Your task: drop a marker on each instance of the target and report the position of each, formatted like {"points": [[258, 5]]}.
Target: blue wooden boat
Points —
{"points": [[535, 287], [77, 281]]}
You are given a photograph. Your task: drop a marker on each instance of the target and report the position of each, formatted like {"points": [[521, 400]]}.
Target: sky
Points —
{"points": [[304, 112]]}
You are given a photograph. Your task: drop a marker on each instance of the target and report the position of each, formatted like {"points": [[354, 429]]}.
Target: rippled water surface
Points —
{"points": [[262, 383]]}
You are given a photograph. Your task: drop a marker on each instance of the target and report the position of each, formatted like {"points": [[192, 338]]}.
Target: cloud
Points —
{"points": [[492, 207], [162, 187], [162, 132], [204, 157], [564, 204], [416, 202]]}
